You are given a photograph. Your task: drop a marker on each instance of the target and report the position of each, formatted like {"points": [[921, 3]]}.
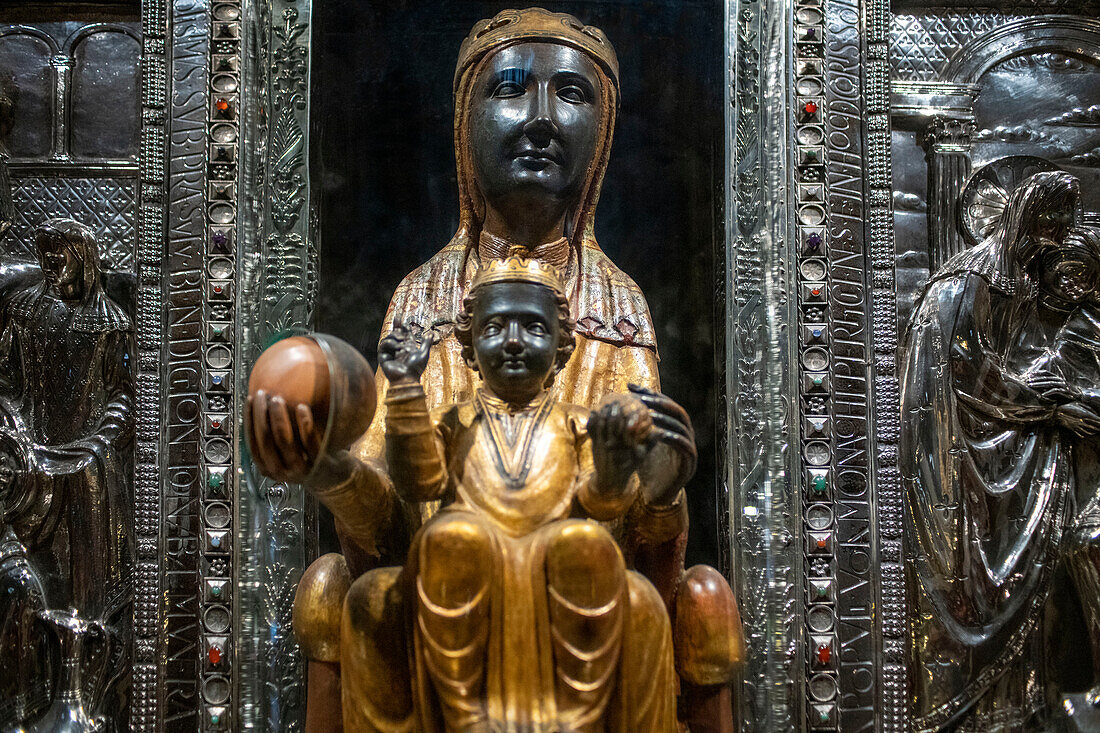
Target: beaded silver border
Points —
{"points": [[149, 336], [816, 370], [854, 602], [218, 585]]}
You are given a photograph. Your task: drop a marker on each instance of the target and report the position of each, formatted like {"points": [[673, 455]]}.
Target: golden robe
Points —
{"points": [[521, 613]]}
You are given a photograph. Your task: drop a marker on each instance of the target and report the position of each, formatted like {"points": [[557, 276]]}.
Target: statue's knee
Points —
{"points": [[373, 653], [584, 564], [373, 628], [707, 634], [374, 603], [455, 558], [318, 604], [649, 623]]}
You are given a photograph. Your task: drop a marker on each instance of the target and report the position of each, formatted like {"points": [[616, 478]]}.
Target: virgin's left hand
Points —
{"points": [[672, 429]]}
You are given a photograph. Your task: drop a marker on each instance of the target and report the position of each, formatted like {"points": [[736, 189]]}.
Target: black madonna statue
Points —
{"points": [[65, 430], [536, 95], [993, 402]]}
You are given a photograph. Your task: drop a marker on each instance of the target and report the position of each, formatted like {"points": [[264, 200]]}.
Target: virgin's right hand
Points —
{"points": [[285, 443], [1078, 418], [1051, 386]]}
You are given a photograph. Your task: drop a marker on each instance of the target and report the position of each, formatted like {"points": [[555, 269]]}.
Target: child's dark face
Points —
{"points": [[1069, 277], [515, 335]]}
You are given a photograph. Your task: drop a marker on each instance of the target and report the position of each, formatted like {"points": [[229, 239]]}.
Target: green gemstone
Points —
{"points": [[822, 591], [215, 719], [215, 591], [818, 381], [819, 484], [822, 716], [215, 481]]}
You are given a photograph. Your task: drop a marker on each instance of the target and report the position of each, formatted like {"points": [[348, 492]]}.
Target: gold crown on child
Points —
{"points": [[517, 269]]}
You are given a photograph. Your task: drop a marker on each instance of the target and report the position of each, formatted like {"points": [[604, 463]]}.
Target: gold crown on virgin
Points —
{"points": [[536, 24]]}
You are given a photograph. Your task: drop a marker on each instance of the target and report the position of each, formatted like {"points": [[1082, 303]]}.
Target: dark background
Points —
{"points": [[384, 166]]}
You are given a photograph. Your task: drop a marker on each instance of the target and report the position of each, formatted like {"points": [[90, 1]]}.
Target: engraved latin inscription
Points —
{"points": [[848, 311], [180, 527]]}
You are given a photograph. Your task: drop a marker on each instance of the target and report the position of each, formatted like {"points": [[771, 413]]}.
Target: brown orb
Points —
{"points": [[296, 370], [326, 374], [354, 395]]}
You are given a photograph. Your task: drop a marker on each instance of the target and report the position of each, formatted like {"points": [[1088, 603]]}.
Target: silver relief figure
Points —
{"points": [[1069, 368], [990, 422], [65, 435]]}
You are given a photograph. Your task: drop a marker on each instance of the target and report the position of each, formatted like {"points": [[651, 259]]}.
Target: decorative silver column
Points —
{"points": [[947, 142], [277, 256], [942, 114], [62, 65], [762, 473]]}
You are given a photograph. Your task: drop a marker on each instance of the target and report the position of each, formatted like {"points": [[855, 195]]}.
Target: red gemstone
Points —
{"points": [[822, 544], [217, 288], [824, 653], [815, 292], [215, 655], [222, 105], [810, 108], [215, 424]]}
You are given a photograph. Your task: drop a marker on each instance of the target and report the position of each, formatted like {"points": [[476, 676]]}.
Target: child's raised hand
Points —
{"points": [[403, 353]]}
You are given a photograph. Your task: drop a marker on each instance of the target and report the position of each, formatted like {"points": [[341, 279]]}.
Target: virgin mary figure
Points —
{"points": [[536, 95], [987, 474], [535, 100], [530, 166]]}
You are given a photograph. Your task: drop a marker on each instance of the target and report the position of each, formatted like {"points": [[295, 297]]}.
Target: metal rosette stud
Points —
{"points": [[815, 370], [219, 346]]}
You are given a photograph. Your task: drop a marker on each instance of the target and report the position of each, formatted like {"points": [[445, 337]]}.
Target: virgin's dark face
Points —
{"points": [[515, 334], [1054, 224], [533, 122]]}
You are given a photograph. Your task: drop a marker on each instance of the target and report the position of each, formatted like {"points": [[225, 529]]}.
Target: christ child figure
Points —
{"points": [[522, 614]]}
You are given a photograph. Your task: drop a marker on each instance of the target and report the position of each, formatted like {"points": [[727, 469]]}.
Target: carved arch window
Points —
{"points": [[73, 145], [953, 117]]}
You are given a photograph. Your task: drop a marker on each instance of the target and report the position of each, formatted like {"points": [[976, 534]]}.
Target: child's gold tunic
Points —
{"points": [[522, 614]]}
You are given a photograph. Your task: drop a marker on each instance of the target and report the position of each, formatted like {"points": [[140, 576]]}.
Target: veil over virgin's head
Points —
{"points": [[606, 303], [1003, 256]]}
